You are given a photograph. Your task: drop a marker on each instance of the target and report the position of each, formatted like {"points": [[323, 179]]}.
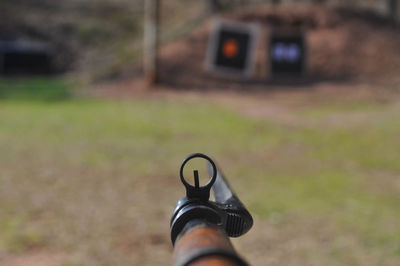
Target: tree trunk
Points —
{"points": [[151, 28]]}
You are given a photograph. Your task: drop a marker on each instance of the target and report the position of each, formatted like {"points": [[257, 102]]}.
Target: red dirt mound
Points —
{"points": [[343, 45]]}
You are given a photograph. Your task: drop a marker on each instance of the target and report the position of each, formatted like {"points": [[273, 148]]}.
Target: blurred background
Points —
{"points": [[91, 145]]}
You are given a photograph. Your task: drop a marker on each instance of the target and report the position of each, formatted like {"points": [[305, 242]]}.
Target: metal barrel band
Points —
{"points": [[209, 252]]}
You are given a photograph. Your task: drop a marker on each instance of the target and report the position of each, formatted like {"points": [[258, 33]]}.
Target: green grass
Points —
{"points": [[98, 180], [37, 89]]}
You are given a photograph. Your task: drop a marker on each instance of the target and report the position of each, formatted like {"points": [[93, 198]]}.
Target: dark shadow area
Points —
{"points": [[26, 58]]}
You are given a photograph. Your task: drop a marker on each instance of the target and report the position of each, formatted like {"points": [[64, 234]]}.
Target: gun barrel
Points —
{"points": [[200, 228], [222, 191], [205, 244]]}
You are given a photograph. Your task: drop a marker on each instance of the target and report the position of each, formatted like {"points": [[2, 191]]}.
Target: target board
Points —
{"points": [[287, 54], [231, 48]]}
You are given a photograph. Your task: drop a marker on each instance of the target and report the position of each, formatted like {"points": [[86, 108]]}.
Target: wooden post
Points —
{"points": [[151, 28]]}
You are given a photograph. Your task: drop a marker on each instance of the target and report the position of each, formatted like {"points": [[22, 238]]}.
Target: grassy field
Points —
{"points": [[94, 182]]}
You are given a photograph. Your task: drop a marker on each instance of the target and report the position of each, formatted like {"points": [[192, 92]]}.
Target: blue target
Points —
{"points": [[287, 54]]}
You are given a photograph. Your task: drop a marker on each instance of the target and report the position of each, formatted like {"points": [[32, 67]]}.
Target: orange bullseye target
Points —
{"points": [[230, 48]]}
